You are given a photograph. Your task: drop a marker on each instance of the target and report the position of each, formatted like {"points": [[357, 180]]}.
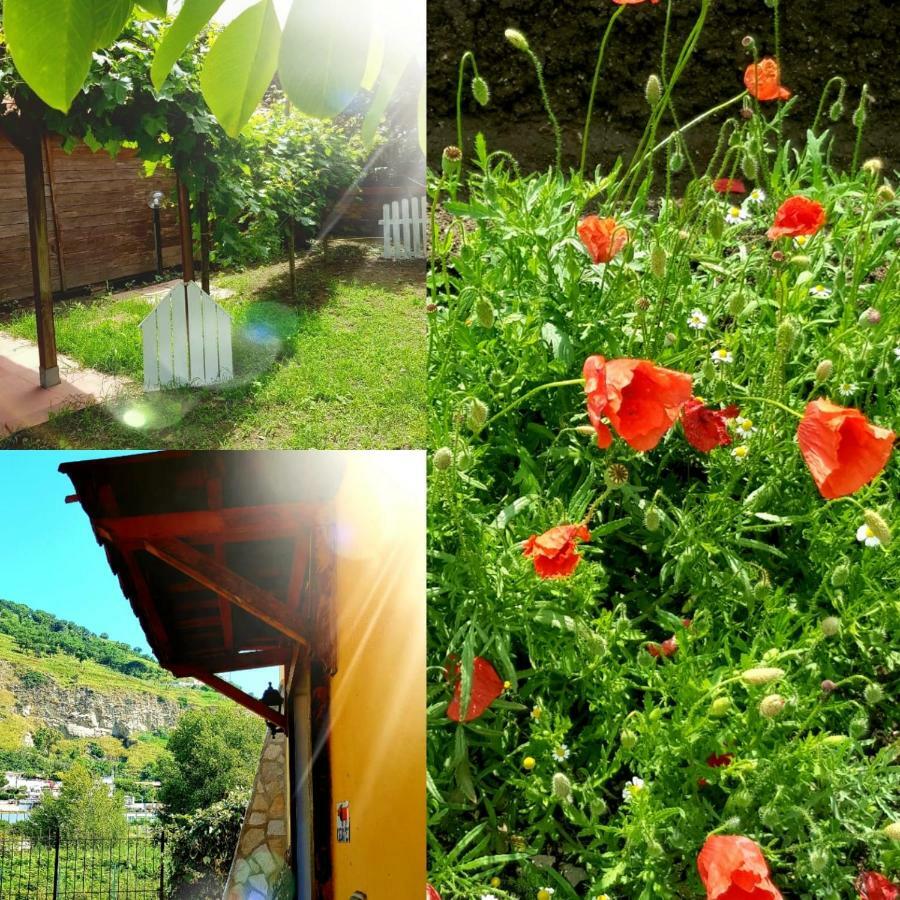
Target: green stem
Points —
{"points": [[520, 400], [771, 402], [590, 109], [459, 92], [557, 133]]}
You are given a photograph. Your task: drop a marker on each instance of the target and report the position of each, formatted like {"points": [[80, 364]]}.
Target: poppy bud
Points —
{"points": [[830, 625], [836, 111], [653, 91], [784, 336], [824, 370], [484, 313], [736, 304], [708, 372], [750, 167], [874, 694], [616, 474], [870, 317], [628, 739], [480, 90], [651, 518], [841, 575], [892, 830], [878, 526], [442, 459], [716, 227], [562, 788], [598, 808], [859, 116], [886, 194], [859, 727], [477, 415], [873, 166], [818, 860], [800, 262], [762, 675], [658, 260], [496, 378], [742, 799], [516, 38], [669, 339], [828, 686], [720, 707], [451, 161], [586, 429], [676, 161], [771, 706], [529, 763], [747, 42]]}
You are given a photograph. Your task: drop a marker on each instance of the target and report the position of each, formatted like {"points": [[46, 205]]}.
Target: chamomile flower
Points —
{"points": [[867, 536], [741, 452], [697, 320], [820, 291], [488, 897], [536, 713], [722, 356], [632, 789], [801, 240], [757, 196], [560, 753], [897, 353], [545, 893], [736, 215], [847, 389], [744, 426]]}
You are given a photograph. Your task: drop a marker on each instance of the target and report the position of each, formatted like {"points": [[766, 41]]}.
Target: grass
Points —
{"points": [[303, 370]]}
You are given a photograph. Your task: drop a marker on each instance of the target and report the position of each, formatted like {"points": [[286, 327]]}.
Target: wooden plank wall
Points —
{"points": [[100, 207]]}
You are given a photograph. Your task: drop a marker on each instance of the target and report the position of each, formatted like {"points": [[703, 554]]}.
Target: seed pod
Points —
{"points": [[477, 415], [841, 575], [878, 526], [484, 313], [828, 686], [886, 194], [824, 370], [859, 727], [442, 459], [762, 675], [642, 304], [516, 38], [628, 739], [616, 474], [873, 166], [562, 787], [771, 706], [658, 260], [720, 707], [830, 625], [874, 694], [451, 161], [480, 90], [653, 91]]}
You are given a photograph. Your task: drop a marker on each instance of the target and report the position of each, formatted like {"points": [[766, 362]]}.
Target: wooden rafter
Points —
{"points": [[237, 662], [228, 584]]}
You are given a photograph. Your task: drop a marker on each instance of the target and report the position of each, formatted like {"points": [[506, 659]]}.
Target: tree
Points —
{"points": [[85, 807], [212, 753], [45, 739]]}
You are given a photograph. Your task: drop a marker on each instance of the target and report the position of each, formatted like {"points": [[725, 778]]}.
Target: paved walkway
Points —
{"points": [[24, 403]]}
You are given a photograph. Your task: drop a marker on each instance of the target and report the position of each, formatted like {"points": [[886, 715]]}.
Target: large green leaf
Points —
{"points": [[194, 15], [324, 54], [51, 42], [391, 73], [155, 7], [110, 17], [241, 65], [423, 120]]}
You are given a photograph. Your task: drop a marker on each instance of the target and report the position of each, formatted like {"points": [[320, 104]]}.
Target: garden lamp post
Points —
{"points": [[273, 699], [155, 201]]}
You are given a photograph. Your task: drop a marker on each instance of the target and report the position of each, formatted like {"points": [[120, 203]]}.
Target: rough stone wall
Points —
{"points": [[859, 39], [260, 861]]}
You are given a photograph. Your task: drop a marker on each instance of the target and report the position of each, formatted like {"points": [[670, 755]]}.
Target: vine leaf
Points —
{"points": [[192, 18], [241, 65], [324, 54]]}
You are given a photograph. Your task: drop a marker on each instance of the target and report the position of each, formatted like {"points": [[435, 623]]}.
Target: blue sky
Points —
{"points": [[50, 560]]}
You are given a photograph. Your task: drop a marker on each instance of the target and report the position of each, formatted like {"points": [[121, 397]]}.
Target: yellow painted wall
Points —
{"points": [[378, 693]]}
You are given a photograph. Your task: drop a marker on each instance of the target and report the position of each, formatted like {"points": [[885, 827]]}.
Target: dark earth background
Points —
{"points": [[859, 39]]}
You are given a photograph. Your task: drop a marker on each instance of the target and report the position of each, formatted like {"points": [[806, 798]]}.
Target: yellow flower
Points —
{"points": [[529, 763]]}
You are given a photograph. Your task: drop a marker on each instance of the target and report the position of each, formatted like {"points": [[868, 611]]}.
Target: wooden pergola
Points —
{"points": [[220, 557]]}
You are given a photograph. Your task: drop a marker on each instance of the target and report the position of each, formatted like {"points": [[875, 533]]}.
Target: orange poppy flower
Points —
{"points": [[706, 428], [486, 688], [602, 237], [872, 886], [732, 867], [842, 449], [797, 216], [667, 648], [641, 400], [554, 552], [632, 2], [729, 186], [763, 80]]}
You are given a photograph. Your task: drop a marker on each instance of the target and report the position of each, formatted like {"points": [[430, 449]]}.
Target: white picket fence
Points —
{"points": [[403, 227], [187, 341]]}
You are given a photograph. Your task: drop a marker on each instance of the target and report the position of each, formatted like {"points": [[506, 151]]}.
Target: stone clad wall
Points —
{"points": [[260, 862]]}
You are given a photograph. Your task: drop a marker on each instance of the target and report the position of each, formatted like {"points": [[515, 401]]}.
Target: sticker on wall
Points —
{"points": [[343, 822]]}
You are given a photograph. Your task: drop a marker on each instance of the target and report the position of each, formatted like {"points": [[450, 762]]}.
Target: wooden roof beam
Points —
{"points": [[237, 662]]}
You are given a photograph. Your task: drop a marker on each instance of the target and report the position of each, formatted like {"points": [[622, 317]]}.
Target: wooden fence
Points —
{"points": [[99, 224]]}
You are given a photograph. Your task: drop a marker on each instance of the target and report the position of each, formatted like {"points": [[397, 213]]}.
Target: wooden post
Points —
{"points": [[203, 213], [187, 243], [32, 150]]}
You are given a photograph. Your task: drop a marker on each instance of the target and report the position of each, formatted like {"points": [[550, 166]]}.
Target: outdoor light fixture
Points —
{"points": [[155, 201], [273, 699]]}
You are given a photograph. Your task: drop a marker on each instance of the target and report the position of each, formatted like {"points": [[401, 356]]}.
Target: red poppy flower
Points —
{"points": [[729, 186], [632, 2], [640, 399], [718, 762], [797, 216], [554, 552], [732, 867], [872, 886], [431, 893], [763, 80], [602, 237], [666, 648], [706, 428], [486, 688], [842, 449]]}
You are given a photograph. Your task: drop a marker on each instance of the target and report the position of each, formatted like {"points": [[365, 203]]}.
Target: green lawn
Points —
{"points": [[341, 367]]}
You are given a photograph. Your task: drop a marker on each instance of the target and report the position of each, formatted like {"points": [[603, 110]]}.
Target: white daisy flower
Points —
{"points": [[736, 215], [536, 712], [722, 356], [820, 291], [757, 195], [867, 536], [560, 753], [697, 320], [847, 389], [632, 789], [545, 893], [488, 897], [897, 353], [744, 427], [801, 240], [741, 452]]}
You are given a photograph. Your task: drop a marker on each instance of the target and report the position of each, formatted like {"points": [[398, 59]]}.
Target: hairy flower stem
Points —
{"points": [[554, 123], [468, 56], [859, 120], [843, 87], [594, 83], [593, 507], [520, 400]]}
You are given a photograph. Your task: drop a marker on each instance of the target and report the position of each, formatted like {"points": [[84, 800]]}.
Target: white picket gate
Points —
{"points": [[187, 340], [403, 227]]}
